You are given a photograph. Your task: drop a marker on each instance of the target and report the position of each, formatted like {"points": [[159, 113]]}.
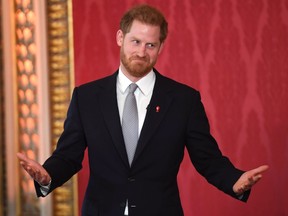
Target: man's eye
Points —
{"points": [[150, 45], [135, 41]]}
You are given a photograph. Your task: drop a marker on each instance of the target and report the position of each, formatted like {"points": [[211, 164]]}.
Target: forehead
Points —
{"points": [[144, 31]]}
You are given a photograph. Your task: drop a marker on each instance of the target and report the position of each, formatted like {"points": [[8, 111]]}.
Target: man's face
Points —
{"points": [[140, 48]]}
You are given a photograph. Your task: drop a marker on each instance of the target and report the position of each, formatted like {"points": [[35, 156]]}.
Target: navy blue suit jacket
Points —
{"points": [[150, 184]]}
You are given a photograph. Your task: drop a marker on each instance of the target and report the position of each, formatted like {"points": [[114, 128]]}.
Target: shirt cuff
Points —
{"points": [[45, 188]]}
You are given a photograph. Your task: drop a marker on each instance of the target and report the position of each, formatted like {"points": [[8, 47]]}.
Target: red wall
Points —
{"points": [[236, 53]]}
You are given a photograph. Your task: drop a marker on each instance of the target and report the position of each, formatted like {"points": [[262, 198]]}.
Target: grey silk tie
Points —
{"points": [[130, 122]]}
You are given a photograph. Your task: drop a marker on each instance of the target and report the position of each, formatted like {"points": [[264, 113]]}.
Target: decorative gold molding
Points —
{"points": [[27, 104], [27, 96], [2, 146], [61, 76], [3, 199]]}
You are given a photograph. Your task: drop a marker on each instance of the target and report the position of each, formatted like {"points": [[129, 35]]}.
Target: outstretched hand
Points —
{"points": [[248, 179], [34, 169]]}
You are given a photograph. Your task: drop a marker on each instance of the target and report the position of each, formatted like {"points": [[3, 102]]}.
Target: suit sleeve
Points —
{"points": [[67, 158], [206, 155]]}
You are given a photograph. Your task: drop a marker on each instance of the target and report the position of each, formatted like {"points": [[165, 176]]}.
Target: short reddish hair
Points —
{"points": [[145, 14]]}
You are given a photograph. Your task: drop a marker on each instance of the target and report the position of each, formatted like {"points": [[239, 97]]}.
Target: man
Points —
{"points": [[139, 179]]}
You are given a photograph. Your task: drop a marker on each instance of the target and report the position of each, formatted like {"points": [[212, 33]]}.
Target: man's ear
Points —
{"points": [[119, 37]]}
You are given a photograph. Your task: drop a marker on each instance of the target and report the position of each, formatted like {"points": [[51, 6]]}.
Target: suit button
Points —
{"points": [[131, 179]]}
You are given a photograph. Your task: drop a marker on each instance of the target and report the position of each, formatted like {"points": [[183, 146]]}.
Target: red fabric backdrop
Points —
{"points": [[236, 53]]}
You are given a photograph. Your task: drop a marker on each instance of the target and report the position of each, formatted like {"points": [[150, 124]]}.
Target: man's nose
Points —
{"points": [[142, 50]]}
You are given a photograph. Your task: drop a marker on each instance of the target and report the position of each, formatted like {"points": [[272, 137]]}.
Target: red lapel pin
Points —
{"points": [[157, 108]]}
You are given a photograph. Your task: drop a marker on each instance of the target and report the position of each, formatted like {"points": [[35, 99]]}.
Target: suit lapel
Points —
{"points": [[158, 107], [110, 112]]}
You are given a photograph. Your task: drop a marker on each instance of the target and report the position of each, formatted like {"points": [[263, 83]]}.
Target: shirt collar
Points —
{"points": [[145, 84]]}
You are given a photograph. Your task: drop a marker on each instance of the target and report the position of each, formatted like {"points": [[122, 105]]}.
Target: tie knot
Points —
{"points": [[132, 87]]}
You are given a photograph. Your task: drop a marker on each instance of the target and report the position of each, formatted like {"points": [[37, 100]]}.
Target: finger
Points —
{"points": [[38, 176], [260, 170], [25, 166], [24, 159], [42, 178], [240, 190], [252, 180], [30, 171], [21, 156], [245, 187], [256, 174]]}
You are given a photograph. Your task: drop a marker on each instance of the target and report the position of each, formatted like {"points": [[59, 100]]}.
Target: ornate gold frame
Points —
{"points": [[2, 146], [61, 82], [24, 66]]}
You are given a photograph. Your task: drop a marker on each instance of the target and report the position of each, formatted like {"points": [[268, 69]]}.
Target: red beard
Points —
{"points": [[136, 66]]}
